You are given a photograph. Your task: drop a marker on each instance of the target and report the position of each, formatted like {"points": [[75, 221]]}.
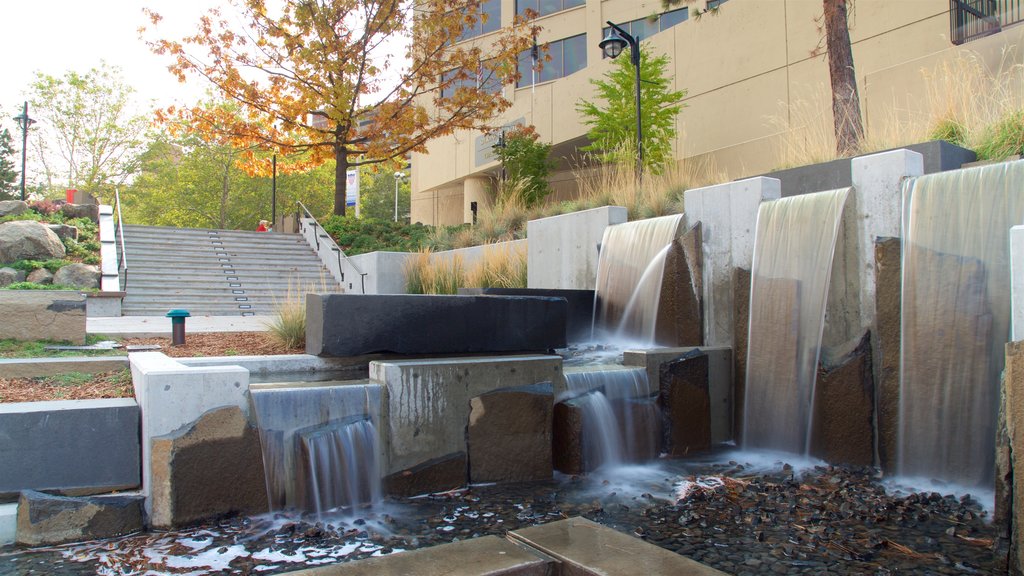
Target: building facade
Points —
{"points": [[754, 70]]}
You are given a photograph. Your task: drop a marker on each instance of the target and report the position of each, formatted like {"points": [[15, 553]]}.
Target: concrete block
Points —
{"points": [[427, 405], [172, 395], [580, 319], [720, 379], [352, 324], [104, 304], [43, 315], [46, 519], [1017, 282], [728, 217], [35, 367], [586, 547], [69, 446], [385, 271], [564, 249], [484, 556], [8, 523], [509, 434]]}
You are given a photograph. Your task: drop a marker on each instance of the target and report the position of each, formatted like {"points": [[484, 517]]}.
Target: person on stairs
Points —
{"points": [[263, 226]]}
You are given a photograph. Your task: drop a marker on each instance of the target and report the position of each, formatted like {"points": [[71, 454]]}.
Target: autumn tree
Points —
{"points": [[329, 78], [89, 133]]}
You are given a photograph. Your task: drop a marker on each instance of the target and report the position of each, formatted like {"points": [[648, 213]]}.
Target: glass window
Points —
{"points": [[489, 81], [712, 4], [566, 4], [525, 69], [574, 54], [523, 5], [492, 12], [552, 69], [549, 6], [545, 7], [670, 19], [639, 29]]}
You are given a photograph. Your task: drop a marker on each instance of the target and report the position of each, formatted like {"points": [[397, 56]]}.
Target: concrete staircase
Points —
{"points": [[217, 272]]}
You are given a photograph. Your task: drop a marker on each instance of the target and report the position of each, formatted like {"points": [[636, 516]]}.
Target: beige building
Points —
{"points": [[752, 71]]}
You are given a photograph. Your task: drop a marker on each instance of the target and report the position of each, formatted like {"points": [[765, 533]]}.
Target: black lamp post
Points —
{"points": [[23, 120], [613, 45]]}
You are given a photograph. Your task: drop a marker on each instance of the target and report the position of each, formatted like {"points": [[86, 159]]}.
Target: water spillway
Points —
{"points": [[321, 449], [629, 277], [794, 247], [955, 318]]}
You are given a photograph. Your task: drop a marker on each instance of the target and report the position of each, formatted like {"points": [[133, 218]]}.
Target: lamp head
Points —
{"points": [[613, 44]]}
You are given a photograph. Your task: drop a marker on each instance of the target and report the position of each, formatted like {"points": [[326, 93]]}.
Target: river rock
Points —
{"points": [[437, 475], [45, 519], [28, 240], [680, 319], [63, 231], [509, 434], [12, 207], [210, 468], [78, 275], [40, 276], [90, 211], [10, 276], [686, 400]]}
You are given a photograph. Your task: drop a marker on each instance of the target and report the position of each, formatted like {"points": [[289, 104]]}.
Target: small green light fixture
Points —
{"points": [[178, 326]]}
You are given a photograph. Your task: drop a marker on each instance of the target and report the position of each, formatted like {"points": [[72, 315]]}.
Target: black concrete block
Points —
{"points": [[357, 324], [580, 320]]}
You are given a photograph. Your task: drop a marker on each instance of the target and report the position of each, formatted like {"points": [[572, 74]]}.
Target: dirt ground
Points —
{"points": [[219, 344]]}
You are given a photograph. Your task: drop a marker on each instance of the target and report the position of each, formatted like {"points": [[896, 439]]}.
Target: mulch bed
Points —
{"points": [[219, 344], [116, 384]]}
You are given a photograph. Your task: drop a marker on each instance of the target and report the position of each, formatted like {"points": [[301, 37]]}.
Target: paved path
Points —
{"points": [[156, 326]]}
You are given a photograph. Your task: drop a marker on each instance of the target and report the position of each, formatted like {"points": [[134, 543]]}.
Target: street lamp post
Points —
{"points": [[399, 176], [612, 45], [23, 120]]}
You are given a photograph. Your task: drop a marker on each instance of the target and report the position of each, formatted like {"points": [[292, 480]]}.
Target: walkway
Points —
{"points": [[159, 326]]}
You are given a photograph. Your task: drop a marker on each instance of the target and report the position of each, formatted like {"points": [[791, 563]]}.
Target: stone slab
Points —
{"points": [[680, 319], [8, 523], [587, 548], [686, 404], [564, 249], [427, 402], [437, 475], [1017, 282], [720, 378], [355, 324], [43, 315], [484, 556], [580, 315], [69, 446], [46, 519], [844, 408], [35, 367], [1014, 412], [509, 434]]}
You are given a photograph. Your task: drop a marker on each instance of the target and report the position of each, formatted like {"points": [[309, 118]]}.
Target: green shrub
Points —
{"points": [[359, 236], [949, 130], [29, 215], [29, 265], [1003, 139], [34, 286]]}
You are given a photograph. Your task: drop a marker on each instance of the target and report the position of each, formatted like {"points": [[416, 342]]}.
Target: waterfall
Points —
{"points": [[620, 418], [955, 319], [629, 276], [793, 250], [320, 445]]}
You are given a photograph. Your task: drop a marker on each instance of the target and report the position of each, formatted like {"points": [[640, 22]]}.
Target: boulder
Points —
{"points": [[12, 208], [90, 211], [40, 276], [10, 276], [567, 438], [63, 231], [43, 314], [686, 400], [28, 240], [844, 407], [78, 275], [44, 519], [437, 475], [208, 469], [509, 434]]}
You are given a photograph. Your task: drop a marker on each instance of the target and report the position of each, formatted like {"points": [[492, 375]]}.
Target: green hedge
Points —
{"points": [[359, 236]]}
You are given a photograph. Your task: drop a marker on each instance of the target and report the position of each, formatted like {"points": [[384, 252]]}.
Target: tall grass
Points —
{"points": [[287, 326], [502, 266], [427, 273]]}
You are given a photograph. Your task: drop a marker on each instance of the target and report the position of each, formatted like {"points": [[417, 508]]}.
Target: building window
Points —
{"points": [[545, 7], [567, 56], [643, 28], [485, 79], [712, 4], [489, 20]]}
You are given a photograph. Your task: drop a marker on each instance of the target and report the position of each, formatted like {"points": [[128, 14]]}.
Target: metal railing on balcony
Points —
{"points": [[970, 19]]}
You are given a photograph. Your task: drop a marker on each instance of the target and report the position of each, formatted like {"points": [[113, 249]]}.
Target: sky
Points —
{"points": [[54, 36]]}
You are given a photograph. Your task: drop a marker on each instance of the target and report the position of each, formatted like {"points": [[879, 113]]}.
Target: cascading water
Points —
{"points": [[629, 277], [793, 250], [320, 445], [955, 319], [620, 418]]}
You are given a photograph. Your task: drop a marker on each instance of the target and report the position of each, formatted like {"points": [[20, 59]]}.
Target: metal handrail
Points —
{"points": [[120, 232], [334, 246]]}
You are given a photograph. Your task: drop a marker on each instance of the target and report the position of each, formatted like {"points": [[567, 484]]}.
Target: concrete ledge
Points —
{"points": [[564, 249], [287, 365], [8, 523], [36, 367], [587, 548], [485, 556], [104, 304], [70, 447]]}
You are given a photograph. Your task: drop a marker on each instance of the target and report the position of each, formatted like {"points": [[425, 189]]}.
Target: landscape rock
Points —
{"points": [[10, 276], [741, 327], [567, 438], [28, 240], [509, 434], [844, 408], [44, 519], [78, 275], [90, 211], [437, 475], [43, 314], [686, 401], [63, 231], [40, 276], [888, 282], [680, 318], [12, 207], [210, 468]]}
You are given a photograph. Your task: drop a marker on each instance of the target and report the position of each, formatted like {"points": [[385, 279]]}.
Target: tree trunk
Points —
{"points": [[845, 101], [340, 179]]}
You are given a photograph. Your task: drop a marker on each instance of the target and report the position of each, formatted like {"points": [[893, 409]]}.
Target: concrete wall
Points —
{"points": [[1017, 282], [564, 249], [43, 315], [73, 447]]}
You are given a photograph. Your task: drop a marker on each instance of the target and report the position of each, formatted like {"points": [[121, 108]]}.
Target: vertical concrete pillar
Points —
{"points": [[878, 183], [563, 250], [475, 189], [1017, 282], [728, 217]]}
